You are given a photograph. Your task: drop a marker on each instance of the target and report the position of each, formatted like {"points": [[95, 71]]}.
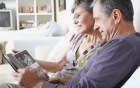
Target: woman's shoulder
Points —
{"points": [[78, 37]]}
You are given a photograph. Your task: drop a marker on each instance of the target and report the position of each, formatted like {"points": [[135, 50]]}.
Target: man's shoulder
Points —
{"points": [[131, 38], [128, 39]]}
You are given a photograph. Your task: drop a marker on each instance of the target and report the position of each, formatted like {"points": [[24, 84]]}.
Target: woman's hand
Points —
{"points": [[14, 51]]}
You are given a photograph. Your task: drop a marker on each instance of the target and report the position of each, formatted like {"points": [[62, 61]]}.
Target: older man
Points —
{"points": [[112, 65]]}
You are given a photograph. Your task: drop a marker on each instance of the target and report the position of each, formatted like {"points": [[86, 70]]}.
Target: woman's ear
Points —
{"points": [[116, 15]]}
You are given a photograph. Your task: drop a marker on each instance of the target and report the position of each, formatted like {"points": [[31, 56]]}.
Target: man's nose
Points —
{"points": [[96, 27]]}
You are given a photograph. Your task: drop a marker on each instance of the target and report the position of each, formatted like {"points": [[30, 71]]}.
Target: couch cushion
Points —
{"points": [[5, 74]]}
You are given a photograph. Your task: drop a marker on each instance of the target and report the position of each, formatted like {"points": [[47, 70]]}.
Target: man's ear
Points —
{"points": [[116, 15]]}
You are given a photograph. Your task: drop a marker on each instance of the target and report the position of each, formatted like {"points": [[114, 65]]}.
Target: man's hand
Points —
{"points": [[28, 78], [57, 80]]}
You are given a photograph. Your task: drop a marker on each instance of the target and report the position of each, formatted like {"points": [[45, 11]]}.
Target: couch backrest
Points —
{"points": [[30, 44], [133, 81]]}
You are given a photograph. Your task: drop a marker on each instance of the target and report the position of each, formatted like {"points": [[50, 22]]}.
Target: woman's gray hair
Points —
{"points": [[85, 3]]}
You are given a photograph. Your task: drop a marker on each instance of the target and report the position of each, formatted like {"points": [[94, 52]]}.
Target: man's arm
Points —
{"points": [[111, 65], [104, 70]]}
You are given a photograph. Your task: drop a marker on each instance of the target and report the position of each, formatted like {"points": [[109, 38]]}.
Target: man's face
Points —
{"points": [[105, 24]]}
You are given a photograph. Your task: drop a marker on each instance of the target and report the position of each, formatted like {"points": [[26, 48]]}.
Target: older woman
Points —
{"points": [[84, 44]]}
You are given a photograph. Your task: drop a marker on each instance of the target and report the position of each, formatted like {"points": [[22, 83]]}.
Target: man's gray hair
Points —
{"points": [[125, 7]]}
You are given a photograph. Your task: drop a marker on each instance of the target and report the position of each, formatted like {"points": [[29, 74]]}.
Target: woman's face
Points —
{"points": [[83, 20]]}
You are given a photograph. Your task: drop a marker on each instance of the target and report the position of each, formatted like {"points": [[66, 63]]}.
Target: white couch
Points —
{"points": [[133, 81], [28, 39], [38, 46], [30, 44]]}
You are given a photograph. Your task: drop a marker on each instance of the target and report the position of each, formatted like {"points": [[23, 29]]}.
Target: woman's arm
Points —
{"points": [[57, 66], [53, 66]]}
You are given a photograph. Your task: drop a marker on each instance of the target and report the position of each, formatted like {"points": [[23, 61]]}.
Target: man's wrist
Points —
{"points": [[39, 84], [62, 81]]}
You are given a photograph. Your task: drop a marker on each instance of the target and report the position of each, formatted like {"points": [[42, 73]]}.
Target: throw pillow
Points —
{"points": [[59, 48], [2, 50], [52, 29]]}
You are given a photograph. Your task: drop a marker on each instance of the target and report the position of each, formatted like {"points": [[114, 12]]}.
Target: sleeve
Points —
{"points": [[113, 62]]}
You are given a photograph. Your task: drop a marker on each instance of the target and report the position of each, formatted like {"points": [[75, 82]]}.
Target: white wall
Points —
{"points": [[70, 16], [136, 14], [64, 18], [11, 4]]}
